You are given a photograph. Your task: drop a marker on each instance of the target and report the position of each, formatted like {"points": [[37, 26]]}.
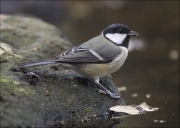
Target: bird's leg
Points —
{"points": [[104, 90]]}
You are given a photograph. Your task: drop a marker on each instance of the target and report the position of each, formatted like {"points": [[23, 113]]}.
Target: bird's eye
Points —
{"points": [[120, 31]]}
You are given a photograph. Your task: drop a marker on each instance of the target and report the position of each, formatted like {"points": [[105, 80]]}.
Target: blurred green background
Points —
{"points": [[151, 72]]}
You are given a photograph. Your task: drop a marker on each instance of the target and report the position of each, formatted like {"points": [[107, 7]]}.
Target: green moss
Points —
{"points": [[18, 39], [9, 60], [11, 56], [10, 85]]}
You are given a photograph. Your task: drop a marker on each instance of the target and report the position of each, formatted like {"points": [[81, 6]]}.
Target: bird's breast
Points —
{"points": [[119, 59]]}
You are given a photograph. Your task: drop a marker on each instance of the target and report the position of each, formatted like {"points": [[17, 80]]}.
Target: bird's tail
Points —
{"points": [[38, 63]]}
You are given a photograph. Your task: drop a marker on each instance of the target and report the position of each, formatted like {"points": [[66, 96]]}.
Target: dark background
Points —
{"points": [[151, 72]]}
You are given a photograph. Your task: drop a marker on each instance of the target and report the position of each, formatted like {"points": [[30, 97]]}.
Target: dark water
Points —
{"points": [[151, 72]]}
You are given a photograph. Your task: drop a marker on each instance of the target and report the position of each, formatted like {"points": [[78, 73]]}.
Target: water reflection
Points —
{"points": [[136, 44]]}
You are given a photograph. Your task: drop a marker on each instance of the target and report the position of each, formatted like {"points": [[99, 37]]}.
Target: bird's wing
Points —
{"points": [[79, 54], [89, 52]]}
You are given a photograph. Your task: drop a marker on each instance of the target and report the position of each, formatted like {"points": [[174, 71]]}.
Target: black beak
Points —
{"points": [[133, 33]]}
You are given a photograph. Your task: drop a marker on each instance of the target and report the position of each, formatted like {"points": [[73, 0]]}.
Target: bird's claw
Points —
{"points": [[114, 96], [110, 94], [103, 92]]}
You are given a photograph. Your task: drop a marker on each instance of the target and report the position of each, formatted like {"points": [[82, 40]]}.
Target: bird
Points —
{"points": [[97, 57]]}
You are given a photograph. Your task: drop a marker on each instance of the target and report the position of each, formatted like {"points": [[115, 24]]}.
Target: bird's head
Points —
{"points": [[119, 34]]}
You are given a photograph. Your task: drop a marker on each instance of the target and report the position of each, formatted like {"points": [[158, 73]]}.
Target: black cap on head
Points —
{"points": [[117, 28]]}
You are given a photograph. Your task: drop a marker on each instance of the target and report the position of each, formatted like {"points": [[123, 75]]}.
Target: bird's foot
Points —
{"points": [[102, 92], [109, 93], [105, 91]]}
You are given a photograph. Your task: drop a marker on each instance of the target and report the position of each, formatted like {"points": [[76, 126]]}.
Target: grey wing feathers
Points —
{"points": [[78, 54]]}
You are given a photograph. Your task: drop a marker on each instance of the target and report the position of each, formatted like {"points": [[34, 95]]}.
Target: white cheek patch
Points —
{"points": [[116, 37]]}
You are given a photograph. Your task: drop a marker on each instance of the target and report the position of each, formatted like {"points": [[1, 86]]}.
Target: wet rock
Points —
{"points": [[50, 97]]}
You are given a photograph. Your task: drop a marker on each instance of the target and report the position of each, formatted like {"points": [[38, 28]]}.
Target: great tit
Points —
{"points": [[98, 57]]}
